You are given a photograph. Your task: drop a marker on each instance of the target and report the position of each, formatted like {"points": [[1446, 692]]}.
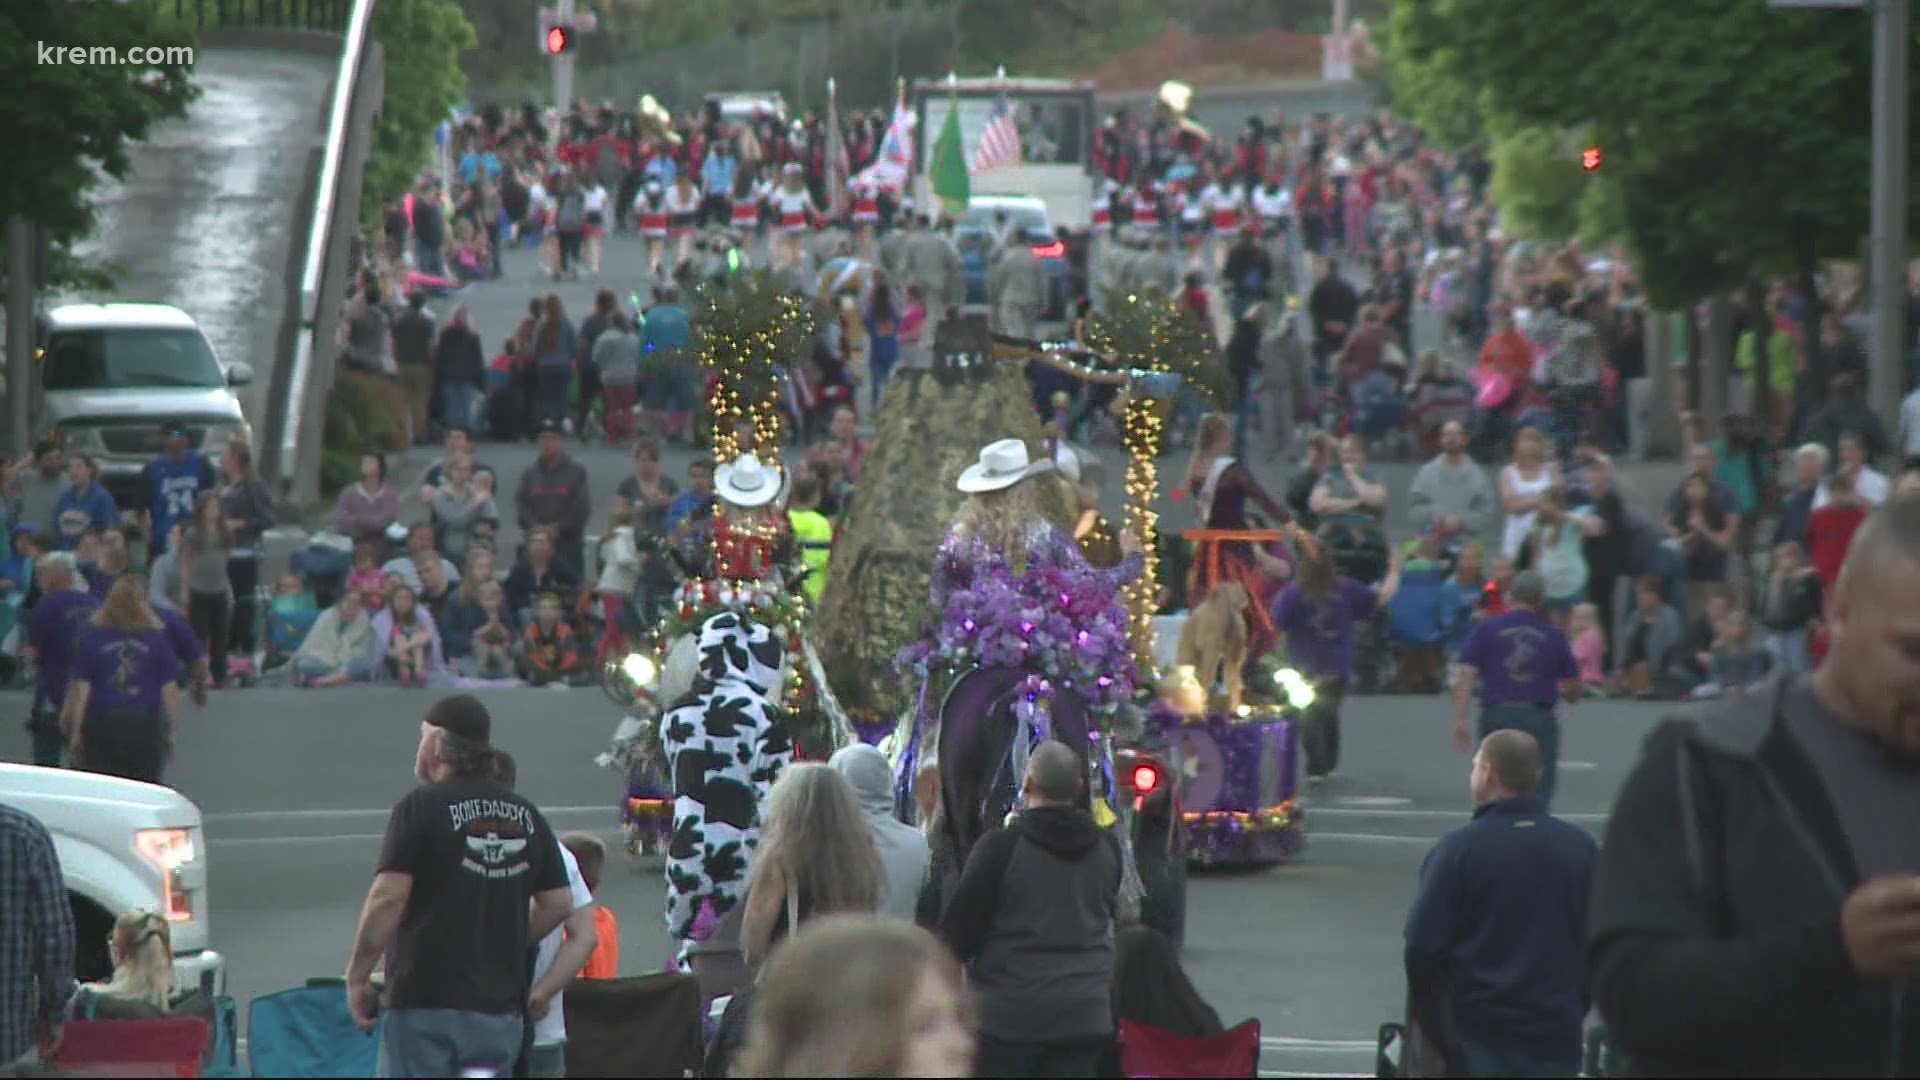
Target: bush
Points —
{"points": [[365, 414]]}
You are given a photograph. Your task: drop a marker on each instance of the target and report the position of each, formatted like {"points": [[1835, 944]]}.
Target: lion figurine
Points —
{"points": [[1215, 638]]}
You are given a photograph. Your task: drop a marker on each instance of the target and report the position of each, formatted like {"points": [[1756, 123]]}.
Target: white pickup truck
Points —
{"points": [[123, 845]]}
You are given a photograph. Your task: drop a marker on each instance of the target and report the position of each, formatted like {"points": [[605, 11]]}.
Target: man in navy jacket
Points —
{"points": [[1496, 938]]}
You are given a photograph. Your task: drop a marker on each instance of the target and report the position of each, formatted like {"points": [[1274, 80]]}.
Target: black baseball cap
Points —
{"points": [[173, 429], [553, 425], [464, 716]]}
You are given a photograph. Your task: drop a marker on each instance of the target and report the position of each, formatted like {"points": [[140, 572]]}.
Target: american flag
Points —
{"points": [[999, 143]]}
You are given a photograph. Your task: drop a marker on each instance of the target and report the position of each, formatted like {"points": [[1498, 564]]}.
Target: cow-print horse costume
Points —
{"points": [[725, 744]]}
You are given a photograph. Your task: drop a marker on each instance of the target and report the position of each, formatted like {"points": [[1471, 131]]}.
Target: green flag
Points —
{"points": [[949, 172]]}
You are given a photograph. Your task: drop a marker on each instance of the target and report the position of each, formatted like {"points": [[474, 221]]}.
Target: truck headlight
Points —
{"points": [[83, 439], [219, 435], [171, 852]]}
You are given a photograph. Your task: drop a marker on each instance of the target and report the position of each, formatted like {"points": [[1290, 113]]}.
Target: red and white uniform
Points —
{"points": [[1222, 207], [1193, 215], [1274, 207], [746, 212], [794, 208], [683, 209], [866, 208], [653, 219], [1103, 215], [1146, 208]]}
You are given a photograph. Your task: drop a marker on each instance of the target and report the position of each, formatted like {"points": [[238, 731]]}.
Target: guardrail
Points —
{"points": [[301, 480], [334, 15]]}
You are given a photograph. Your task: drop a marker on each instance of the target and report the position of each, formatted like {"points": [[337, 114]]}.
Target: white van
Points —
{"points": [[123, 845], [110, 376]]}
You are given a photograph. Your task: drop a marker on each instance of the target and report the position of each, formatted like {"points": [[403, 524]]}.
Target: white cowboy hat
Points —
{"points": [[747, 482], [1002, 464]]}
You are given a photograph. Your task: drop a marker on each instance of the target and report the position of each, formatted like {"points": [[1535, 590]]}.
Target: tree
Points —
{"points": [[1537, 185], [76, 121], [420, 44], [1737, 137]]}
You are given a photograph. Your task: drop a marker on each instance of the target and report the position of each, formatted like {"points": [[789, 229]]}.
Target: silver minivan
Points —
{"points": [[112, 375]]}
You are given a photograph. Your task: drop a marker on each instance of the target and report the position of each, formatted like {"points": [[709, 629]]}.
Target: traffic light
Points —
{"points": [[1590, 159], [559, 39]]}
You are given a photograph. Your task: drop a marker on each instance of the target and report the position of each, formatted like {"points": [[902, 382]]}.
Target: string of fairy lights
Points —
{"points": [[1148, 337], [748, 330]]}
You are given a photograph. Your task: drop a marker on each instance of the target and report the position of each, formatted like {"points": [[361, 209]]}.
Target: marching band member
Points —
{"points": [[651, 208], [596, 199], [1273, 204], [1146, 205], [795, 206], [744, 217], [866, 214], [1222, 207], [683, 215], [1189, 212]]}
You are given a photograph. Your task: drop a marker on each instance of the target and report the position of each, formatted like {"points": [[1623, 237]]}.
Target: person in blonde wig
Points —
{"points": [[860, 996], [816, 857]]}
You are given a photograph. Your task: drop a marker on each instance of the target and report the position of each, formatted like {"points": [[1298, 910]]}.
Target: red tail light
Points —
{"points": [[1146, 779], [1055, 250]]}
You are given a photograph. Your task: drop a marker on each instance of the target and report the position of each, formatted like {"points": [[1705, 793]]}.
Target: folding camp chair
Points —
{"points": [[170, 1047], [1148, 1051]]}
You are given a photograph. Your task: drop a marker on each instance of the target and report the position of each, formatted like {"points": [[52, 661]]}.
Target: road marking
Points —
{"points": [[329, 815], [330, 838], [1578, 766], [1370, 838], [1374, 800], [1314, 1075], [1461, 816], [1284, 1042]]}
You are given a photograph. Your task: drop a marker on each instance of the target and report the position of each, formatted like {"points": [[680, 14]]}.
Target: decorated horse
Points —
{"points": [[1027, 642]]}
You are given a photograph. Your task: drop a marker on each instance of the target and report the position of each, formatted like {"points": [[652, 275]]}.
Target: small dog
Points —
{"points": [[1215, 637]]}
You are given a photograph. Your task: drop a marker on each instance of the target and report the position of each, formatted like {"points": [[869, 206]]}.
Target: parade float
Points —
{"points": [[741, 563]]}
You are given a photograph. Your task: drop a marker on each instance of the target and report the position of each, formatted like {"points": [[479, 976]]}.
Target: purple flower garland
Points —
{"points": [[1063, 623]]}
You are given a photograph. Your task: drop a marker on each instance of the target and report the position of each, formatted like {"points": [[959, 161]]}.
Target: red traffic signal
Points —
{"points": [[559, 39], [1590, 159]]}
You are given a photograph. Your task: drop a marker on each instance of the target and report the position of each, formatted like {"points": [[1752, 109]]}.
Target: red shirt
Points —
{"points": [[1830, 532]]}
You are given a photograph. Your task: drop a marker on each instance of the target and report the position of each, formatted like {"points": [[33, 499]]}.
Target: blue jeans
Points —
{"points": [[1537, 721], [460, 406], [1487, 1058], [445, 1042]]}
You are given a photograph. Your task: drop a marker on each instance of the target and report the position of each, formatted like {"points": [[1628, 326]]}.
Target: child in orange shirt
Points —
{"points": [[591, 856]]}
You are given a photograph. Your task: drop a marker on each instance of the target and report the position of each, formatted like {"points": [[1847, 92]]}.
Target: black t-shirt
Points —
{"points": [[1608, 554], [478, 854]]}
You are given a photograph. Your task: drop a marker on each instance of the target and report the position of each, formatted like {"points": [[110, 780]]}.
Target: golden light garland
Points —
{"points": [[749, 330], [1150, 335]]}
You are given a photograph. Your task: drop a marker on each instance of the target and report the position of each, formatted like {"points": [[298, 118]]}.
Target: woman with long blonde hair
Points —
{"points": [[816, 857], [860, 997], [126, 687], [142, 948]]}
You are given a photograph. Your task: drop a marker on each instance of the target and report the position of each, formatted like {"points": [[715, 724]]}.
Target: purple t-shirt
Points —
{"points": [[1321, 636], [57, 620], [124, 669], [186, 643], [1521, 657]]}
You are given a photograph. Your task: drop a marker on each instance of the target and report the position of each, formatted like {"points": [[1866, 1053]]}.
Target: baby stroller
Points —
{"points": [[323, 564], [1357, 543]]}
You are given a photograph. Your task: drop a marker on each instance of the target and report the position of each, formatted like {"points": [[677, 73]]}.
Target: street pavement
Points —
{"points": [[205, 218], [296, 785]]}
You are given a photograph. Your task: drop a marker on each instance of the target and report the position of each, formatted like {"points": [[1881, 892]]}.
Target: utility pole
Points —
{"points": [[21, 285], [1887, 244], [1887, 278], [563, 62]]}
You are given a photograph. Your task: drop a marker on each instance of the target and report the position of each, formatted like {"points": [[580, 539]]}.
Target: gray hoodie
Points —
{"points": [[903, 850]]}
